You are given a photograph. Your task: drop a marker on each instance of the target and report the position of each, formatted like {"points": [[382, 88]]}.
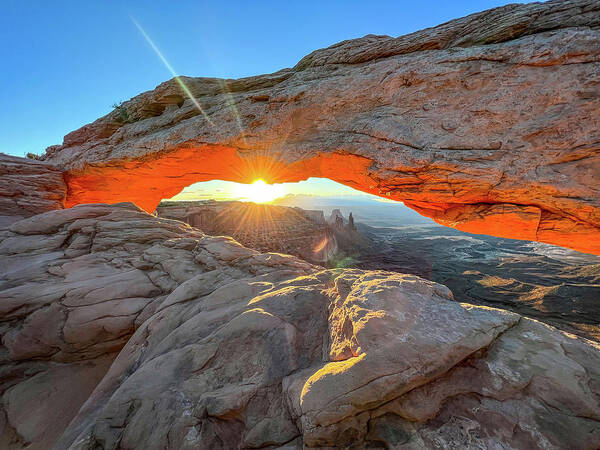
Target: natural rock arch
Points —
{"points": [[487, 123]]}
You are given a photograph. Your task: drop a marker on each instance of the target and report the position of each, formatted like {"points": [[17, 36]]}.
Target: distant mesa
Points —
{"points": [[272, 228], [351, 225], [316, 216], [336, 219]]}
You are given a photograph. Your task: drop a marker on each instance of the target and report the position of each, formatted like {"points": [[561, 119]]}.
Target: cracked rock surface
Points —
{"points": [[124, 330], [488, 124], [28, 187]]}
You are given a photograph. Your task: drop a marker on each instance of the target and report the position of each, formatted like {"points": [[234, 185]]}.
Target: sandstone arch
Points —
{"points": [[488, 124]]}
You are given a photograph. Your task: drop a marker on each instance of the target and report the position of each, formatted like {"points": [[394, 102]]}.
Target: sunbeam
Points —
{"points": [[170, 68], [230, 102]]}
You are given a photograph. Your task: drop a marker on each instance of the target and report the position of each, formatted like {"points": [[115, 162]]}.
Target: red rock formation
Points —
{"points": [[488, 123], [28, 187]]}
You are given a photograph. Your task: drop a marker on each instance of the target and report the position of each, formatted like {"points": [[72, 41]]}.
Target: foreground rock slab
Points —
{"points": [[124, 330], [487, 123]]}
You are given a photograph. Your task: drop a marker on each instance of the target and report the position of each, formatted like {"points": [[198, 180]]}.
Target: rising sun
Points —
{"points": [[259, 192]]}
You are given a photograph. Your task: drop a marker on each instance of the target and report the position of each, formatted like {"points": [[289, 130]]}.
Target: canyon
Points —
{"points": [[126, 329], [266, 228], [547, 283], [271, 228]]}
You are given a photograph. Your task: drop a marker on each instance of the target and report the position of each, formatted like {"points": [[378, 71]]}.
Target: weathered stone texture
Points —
{"points": [[487, 123], [28, 187], [175, 339]]}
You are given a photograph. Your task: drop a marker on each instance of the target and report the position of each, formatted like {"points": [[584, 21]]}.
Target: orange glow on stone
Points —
{"points": [[321, 245], [146, 182]]}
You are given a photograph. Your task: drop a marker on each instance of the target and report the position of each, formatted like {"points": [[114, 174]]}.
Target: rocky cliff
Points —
{"points": [[124, 330], [487, 124], [267, 228], [28, 187]]}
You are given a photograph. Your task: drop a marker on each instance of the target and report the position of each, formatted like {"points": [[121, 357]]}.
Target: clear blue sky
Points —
{"points": [[64, 63]]}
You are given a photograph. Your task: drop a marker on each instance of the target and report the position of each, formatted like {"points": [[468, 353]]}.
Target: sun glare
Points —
{"points": [[259, 192]]}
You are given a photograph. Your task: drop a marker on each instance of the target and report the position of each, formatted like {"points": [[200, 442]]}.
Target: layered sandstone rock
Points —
{"points": [[124, 330], [28, 187], [267, 228], [487, 123]]}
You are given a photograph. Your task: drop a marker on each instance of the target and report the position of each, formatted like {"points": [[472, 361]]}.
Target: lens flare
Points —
{"points": [[231, 103], [321, 245], [168, 66]]}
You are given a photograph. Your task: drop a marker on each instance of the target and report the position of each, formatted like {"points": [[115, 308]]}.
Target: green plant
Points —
{"points": [[30, 155], [121, 111]]}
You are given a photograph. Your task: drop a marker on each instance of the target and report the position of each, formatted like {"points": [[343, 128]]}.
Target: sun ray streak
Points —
{"points": [[170, 68], [231, 103]]}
